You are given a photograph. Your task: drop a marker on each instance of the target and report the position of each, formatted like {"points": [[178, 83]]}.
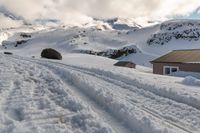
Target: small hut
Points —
{"points": [[125, 64]]}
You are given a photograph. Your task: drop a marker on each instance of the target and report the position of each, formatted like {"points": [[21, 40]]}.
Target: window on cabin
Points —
{"points": [[170, 69], [167, 70]]}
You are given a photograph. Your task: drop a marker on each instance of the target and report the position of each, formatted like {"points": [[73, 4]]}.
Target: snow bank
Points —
{"points": [[189, 80], [147, 83]]}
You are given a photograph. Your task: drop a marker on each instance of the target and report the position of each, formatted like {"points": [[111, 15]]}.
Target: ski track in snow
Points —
{"points": [[60, 96]]}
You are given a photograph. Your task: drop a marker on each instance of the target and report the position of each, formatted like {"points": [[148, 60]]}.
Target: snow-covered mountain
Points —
{"points": [[84, 92], [121, 23], [100, 36], [170, 35], [188, 30]]}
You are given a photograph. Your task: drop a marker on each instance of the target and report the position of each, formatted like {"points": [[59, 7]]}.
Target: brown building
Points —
{"points": [[125, 64], [177, 60]]}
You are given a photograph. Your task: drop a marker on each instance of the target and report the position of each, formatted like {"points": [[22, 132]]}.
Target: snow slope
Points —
{"points": [[68, 40], [85, 93], [100, 36], [77, 95], [167, 36]]}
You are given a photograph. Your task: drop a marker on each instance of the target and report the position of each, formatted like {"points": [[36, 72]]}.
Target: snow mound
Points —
{"points": [[189, 80]]}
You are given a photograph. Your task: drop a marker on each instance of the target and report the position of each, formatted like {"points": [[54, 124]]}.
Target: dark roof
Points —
{"points": [[123, 63], [180, 56]]}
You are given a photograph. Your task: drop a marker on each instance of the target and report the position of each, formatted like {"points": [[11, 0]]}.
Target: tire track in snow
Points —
{"points": [[146, 109], [26, 104], [132, 89], [162, 92], [19, 104], [150, 112], [124, 86], [128, 86], [155, 113], [116, 125]]}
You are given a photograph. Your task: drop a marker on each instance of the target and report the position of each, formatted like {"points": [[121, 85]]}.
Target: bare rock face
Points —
{"points": [[50, 53], [187, 30], [112, 53]]}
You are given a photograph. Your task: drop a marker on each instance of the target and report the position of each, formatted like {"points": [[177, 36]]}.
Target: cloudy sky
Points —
{"points": [[76, 11]]}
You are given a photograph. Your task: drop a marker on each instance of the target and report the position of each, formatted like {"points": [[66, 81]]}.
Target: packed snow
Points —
{"points": [[189, 80], [70, 96]]}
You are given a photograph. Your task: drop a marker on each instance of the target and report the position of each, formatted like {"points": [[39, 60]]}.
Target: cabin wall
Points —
{"points": [[158, 67]]}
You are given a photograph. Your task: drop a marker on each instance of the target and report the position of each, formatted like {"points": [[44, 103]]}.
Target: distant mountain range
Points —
{"points": [[120, 23]]}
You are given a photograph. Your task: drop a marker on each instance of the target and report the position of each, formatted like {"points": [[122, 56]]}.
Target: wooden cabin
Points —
{"points": [[178, 60]]}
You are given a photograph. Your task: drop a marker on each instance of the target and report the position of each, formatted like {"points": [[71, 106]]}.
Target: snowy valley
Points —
{"points": [[84, 92]]}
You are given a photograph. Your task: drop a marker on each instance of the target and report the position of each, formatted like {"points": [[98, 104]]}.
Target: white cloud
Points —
{"points": [[6, 22], [71, 11]]}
